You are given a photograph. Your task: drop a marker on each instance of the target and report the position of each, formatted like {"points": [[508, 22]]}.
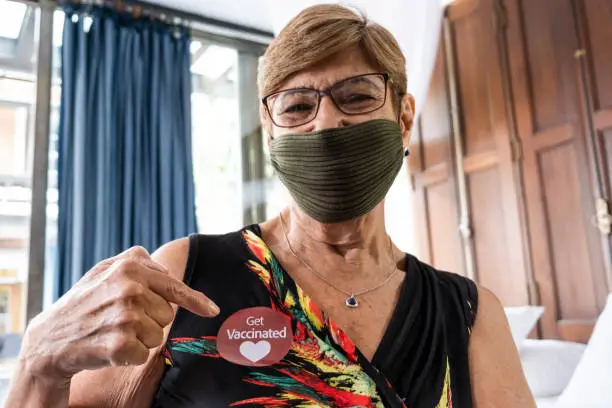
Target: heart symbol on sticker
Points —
{"points": [[255, 351]]}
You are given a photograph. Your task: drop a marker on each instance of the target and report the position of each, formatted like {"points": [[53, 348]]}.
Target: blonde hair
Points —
{"points": [[318, 33]]}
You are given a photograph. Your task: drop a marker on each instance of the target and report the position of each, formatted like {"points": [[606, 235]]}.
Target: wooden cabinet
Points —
{"points": [[514, 151]]}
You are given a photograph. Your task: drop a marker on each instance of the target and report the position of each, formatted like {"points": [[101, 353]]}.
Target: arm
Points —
{"points": [[34, 391], [117, 315], [133, 386], [495, 368]]}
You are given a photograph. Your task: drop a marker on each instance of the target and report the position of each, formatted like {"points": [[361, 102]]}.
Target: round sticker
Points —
{"points": [[256, 337]]}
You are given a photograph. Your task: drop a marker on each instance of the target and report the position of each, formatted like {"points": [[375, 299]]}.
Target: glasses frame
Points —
{"points": [[327, 92]]}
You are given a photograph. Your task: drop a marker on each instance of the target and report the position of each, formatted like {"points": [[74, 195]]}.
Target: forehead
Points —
{"points": [[346, 64]]}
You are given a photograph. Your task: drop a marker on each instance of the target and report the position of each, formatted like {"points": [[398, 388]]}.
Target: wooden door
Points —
{"points": [[433, 178], [566, 250], [485, 161]]}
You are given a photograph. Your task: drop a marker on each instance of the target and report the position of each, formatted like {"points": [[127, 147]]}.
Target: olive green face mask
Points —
{"points": [[338, 174]]}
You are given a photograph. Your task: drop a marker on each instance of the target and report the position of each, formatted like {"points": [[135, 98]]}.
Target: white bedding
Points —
{"points": [[591, 382], [549, 365], [546, 402]]}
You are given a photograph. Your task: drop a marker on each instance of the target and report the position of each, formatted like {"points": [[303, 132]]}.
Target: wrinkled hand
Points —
{"points": [[113, 316]]}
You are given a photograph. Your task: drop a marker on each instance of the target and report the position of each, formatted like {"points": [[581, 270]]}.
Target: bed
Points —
{"points": [[566, 374]]}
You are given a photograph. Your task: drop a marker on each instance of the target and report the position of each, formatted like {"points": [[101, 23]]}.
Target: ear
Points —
{"points": [[407, 118], [267, 131], [268, 138], [266, 125]]}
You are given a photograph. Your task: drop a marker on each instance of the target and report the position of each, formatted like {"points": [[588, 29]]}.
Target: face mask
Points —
{"points": [[338, 174]]}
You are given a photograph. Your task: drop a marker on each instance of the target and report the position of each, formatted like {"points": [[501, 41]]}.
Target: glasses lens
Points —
{"points": [[360, 94], [293, 107]]}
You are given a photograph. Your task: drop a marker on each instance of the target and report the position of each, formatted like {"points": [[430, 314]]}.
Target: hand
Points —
{"points": [[113, 316]]}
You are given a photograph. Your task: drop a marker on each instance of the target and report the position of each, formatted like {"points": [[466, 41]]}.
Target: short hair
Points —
{"points": [[322, 31]]}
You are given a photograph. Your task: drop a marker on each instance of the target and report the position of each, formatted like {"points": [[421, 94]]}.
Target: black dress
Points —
{"points": [[421, 362]]}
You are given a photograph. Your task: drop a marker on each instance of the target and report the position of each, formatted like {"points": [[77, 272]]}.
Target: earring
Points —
{"points": [[406, 152]]}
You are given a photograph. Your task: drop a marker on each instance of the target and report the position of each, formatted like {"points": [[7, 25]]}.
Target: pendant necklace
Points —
{"points": [[351, 299]]}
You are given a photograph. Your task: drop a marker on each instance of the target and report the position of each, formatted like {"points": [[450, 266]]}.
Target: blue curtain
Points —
{"points": [[125, 161]]}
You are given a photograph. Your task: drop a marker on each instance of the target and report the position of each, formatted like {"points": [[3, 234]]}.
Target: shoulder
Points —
{"points": [[200, 243], [443, 278], [182, 251], [480, 300], [456, 292], [486, 312], [495, 367], [174, 255], [491, 312], [189, 257], [491, 325]]}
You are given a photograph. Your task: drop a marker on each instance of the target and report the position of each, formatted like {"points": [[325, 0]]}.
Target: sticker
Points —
{"points": [[256, 337]]}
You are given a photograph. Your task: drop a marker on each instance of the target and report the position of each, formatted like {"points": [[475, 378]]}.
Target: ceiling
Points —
{"points": [[257, 13], [250, 13]]}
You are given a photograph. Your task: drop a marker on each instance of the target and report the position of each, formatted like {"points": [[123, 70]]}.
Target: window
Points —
{"points": [[218, 152], [52, 182], [219, 158], [235, 183], [17, 103], [11, 19], [216, 137]]}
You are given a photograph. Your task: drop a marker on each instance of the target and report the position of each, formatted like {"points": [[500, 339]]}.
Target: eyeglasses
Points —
{"points": [[356, 95]]}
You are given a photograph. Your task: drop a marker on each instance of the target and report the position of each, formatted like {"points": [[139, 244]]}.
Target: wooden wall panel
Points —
{"points": [[435, 121], [474, 41], [533, 83], [598, 14], [445, 246], [562, 198], [499, 255], [433, 178], [566, 251], [492, 247], [550, 62]]}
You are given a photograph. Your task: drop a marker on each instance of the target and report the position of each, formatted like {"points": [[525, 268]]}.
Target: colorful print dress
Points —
{"points": [[421, 362]]}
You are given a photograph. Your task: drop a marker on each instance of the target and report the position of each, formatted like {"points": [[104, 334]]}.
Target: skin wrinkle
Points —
{"points": [[354, 244], [354, 255]]}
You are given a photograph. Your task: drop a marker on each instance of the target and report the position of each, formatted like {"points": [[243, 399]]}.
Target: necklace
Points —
{"points": [[351, 300]]}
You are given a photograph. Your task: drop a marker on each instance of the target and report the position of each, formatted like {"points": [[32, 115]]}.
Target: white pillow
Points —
{"points": [[591, 384], [549, 365], [522, 319]]}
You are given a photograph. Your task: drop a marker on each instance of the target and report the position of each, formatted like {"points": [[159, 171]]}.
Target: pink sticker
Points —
{"points": [[256, 337]]}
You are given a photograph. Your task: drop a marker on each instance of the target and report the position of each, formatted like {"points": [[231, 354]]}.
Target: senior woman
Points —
{"points": [[370, 326]]}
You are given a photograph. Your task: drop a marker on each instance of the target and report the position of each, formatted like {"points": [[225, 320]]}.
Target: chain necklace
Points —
{"points": [[351, 300]]}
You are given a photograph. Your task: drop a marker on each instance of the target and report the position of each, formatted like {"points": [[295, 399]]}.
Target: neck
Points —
{"points": [[359, 242]]}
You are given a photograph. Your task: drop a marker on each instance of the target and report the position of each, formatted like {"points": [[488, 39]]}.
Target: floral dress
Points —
{"points": [[421, 361]]}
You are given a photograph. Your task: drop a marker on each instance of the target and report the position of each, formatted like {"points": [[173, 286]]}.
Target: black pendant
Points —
{"points": [[351, 301]]}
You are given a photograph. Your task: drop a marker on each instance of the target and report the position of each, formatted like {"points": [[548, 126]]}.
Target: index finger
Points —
{"points": [[177, 292]]}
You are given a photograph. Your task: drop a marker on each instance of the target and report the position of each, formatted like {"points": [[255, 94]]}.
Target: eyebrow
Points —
{"points": [[295, 90], [302, 85], [359, 77]]}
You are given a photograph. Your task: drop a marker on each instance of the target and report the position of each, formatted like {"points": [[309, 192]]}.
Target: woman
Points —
{"points": [[370, 325]]}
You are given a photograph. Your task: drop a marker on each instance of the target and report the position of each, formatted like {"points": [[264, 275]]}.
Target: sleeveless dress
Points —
{"points": [[421, 362]]}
